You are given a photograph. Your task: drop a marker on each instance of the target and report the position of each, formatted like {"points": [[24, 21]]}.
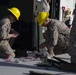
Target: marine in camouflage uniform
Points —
{"points": [[45, 5], [46, 8], [57, 33], [56, 36], [5, 27]]}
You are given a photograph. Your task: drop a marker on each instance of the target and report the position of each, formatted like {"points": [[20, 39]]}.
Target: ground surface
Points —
{"points": [[23, 68]]}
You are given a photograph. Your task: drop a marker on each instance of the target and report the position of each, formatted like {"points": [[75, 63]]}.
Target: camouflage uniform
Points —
{"points": [[72, 41], [45, 5], [46, 8], [56, 36], [5, 48]]}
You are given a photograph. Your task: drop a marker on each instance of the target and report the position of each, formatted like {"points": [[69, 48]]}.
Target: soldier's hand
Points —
{"points": [[16, 33], [13, 35]]}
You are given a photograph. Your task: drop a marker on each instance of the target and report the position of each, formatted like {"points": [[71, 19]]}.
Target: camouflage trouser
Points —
{"points": [[11, 41], [6, 50], [57, 50], [61, 46]]}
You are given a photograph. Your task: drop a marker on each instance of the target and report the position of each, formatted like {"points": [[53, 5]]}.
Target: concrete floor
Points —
{"points": [[23, 68]]}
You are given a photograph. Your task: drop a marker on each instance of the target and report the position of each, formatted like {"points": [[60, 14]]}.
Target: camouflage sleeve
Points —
{"points": [[3, 31], [53, 36], [45, 6]]}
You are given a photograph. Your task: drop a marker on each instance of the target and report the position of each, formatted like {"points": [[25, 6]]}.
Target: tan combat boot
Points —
{"points": [[51, 53]]}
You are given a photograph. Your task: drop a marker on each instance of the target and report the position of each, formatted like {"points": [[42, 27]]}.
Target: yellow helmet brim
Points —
{"points": [[44, 19], [13, 13]]}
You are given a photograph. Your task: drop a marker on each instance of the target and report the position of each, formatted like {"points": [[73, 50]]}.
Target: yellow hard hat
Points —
{"points": [[15, 11], [41, 17]]}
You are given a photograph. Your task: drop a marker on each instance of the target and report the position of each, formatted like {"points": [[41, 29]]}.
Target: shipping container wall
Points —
{"points": [[25, 25]]}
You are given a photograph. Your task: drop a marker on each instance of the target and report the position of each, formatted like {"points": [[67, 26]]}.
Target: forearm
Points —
{"points": [[9, 36], [4, 38]]}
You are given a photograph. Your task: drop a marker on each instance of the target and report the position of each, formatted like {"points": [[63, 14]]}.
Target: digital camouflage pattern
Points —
{"points": [[5, 48], [56, 35]]}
